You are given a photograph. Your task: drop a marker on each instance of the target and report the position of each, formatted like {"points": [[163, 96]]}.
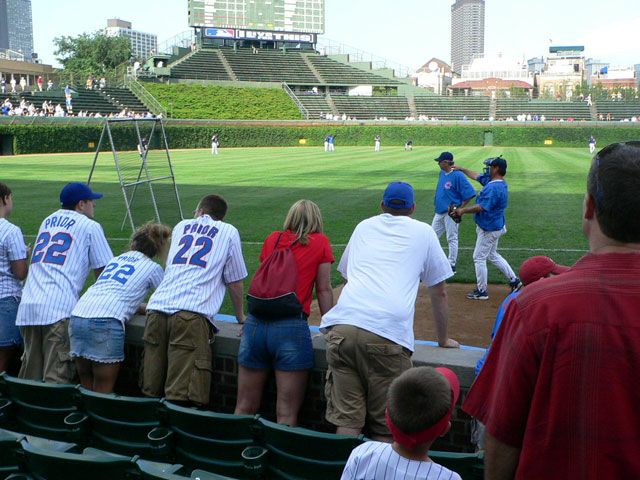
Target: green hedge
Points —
{"points": [[224, 103], [57, 139]]}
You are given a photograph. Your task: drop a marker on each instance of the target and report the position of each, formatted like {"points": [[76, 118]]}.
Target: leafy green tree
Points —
{"points": [[91, 53]]}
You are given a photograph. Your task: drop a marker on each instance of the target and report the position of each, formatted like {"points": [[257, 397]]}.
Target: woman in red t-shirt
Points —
{"points": [[284, 344]]}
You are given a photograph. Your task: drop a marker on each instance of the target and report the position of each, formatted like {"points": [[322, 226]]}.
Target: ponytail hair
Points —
{"points": [[150, 239]]}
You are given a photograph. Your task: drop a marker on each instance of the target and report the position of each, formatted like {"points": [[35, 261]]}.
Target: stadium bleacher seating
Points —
{"points": [[453, 108], [369, 108], [558, 110], [204, 64], [269, 66], [618, 110], [337, 73], [315, 104], [125, 98]]}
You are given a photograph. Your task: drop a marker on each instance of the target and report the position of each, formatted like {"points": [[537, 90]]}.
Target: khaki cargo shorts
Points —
{"points": [[46, 353], [362, 365], [177, 357]]}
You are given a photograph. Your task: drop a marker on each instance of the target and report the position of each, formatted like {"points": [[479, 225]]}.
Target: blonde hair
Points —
{"points": [[304, 218], [150, 239]]}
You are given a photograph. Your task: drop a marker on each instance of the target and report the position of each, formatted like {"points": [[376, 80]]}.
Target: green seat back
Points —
{"points": [[44, 463], [306, 454], [11, 448], [468, 465], [121, 424], [158, 471], [40, 408], [208, 440]]}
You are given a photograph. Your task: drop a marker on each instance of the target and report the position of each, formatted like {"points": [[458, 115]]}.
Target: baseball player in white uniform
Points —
{"points": [[204, 260], [69, 244], [97, 325], [215, 143], [377, 146], [13, 269], [453, 188]]}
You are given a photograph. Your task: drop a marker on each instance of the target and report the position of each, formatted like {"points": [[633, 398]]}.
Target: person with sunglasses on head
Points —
{"points": [[558, 391], [488, 213]]}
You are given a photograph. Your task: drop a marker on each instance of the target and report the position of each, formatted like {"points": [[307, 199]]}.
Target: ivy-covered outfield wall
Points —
{"points": [[84, 138]]}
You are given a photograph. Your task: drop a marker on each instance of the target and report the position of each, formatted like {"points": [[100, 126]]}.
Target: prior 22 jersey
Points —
{"points": [[205, 255], [68, 246], [121, 288]]}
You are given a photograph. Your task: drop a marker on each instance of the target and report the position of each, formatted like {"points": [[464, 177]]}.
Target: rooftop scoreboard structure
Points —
{"points": [[275, 20]]}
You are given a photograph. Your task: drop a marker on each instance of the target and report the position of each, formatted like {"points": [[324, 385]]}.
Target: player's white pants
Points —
{"points": [[326, 146], [443, 223], [214, 149], [592, 147], [332, 148], [486, 249], [377, 147]]}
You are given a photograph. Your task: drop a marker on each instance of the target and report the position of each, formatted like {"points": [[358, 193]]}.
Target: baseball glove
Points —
{"points": [[453, 214]]}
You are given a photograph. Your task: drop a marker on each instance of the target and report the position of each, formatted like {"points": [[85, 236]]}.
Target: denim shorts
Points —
{"points": [[283, 344], [9, 333], [97, 339]]}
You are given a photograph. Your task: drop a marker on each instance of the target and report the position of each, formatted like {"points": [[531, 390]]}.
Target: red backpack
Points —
{"points": [[272, 292]]}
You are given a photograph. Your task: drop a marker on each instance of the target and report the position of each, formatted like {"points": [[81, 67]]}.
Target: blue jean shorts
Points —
{"points": [[9, 333], [97, 339], [283, 344]]}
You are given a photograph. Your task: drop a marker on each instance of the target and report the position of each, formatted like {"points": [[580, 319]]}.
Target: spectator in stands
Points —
{"points": [[531, 270], [3, 84], [39, 82], [12, 82], [89, 85], [103, 83], [421, 402], [284, 344], [13, 270], [558, 391], [67, 95], [49, 84], [372, 325], [23, 83]]}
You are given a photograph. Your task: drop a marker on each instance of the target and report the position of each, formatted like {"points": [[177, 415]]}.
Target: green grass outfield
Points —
{"points": [[546, 190]]}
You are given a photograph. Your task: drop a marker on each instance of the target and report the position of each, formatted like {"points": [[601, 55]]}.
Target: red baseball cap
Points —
{"points": [[535, 268]]}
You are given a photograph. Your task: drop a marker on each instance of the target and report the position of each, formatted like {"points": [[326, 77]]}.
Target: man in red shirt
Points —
{"points": [[559, 391]]}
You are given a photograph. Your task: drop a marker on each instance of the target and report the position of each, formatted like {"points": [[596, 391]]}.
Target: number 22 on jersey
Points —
{"points": [[50, 249], [203, 247]]}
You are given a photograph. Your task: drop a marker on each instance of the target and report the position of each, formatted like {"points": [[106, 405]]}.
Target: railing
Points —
{"points": [[143, 94], [303, 111], [182, 39]]}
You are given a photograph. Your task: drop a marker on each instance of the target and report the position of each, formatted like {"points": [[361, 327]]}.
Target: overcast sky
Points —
{"points": [[408, 32]]}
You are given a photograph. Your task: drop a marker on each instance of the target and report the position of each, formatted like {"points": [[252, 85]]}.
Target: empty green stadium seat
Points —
{"points": [[40, 409], [122, 424], [298, 453], [155, 471], [470, 466], [208, 440], [44, 463]]}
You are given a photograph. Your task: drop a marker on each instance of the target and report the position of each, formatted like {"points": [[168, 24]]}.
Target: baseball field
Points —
{"points": [[546, 187]]}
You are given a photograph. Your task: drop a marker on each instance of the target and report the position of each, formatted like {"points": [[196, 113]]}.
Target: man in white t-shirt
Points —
{"points": [[204, 261], [369, 332], [69, 244]]}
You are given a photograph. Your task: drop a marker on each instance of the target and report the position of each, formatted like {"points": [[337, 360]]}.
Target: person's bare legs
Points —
{"points": [[104, 376], [292, 386], [85, 373], [250, 385]]}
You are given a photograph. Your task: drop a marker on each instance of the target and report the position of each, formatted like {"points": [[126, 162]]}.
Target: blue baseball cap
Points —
{"points": [[73, 192], [398, 191], [445, 156]]}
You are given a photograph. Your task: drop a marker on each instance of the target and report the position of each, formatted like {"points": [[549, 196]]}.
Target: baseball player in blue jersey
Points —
{"points": [[453, 188], [204, 261], [13, 270], [490, 223], [69, 244], [97, 325]]}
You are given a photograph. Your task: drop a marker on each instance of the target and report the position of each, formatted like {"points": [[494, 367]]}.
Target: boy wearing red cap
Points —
{"points": [[421, 402]]}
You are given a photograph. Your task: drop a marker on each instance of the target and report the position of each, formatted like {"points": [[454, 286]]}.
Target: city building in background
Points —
{"points": [[564, 71], [495, 77], [16, 30], [467, 32], [143, 44], [435, 75]]}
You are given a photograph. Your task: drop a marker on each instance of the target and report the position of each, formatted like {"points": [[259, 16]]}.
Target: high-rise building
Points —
{"points": [[16, 27], [142, 44], [467, 32]]}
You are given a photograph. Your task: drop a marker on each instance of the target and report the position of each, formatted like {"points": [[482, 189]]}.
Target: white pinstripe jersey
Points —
{"points": [[68, 246], [12, 248], [205, 255], [379, 461], [121, 287]]}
